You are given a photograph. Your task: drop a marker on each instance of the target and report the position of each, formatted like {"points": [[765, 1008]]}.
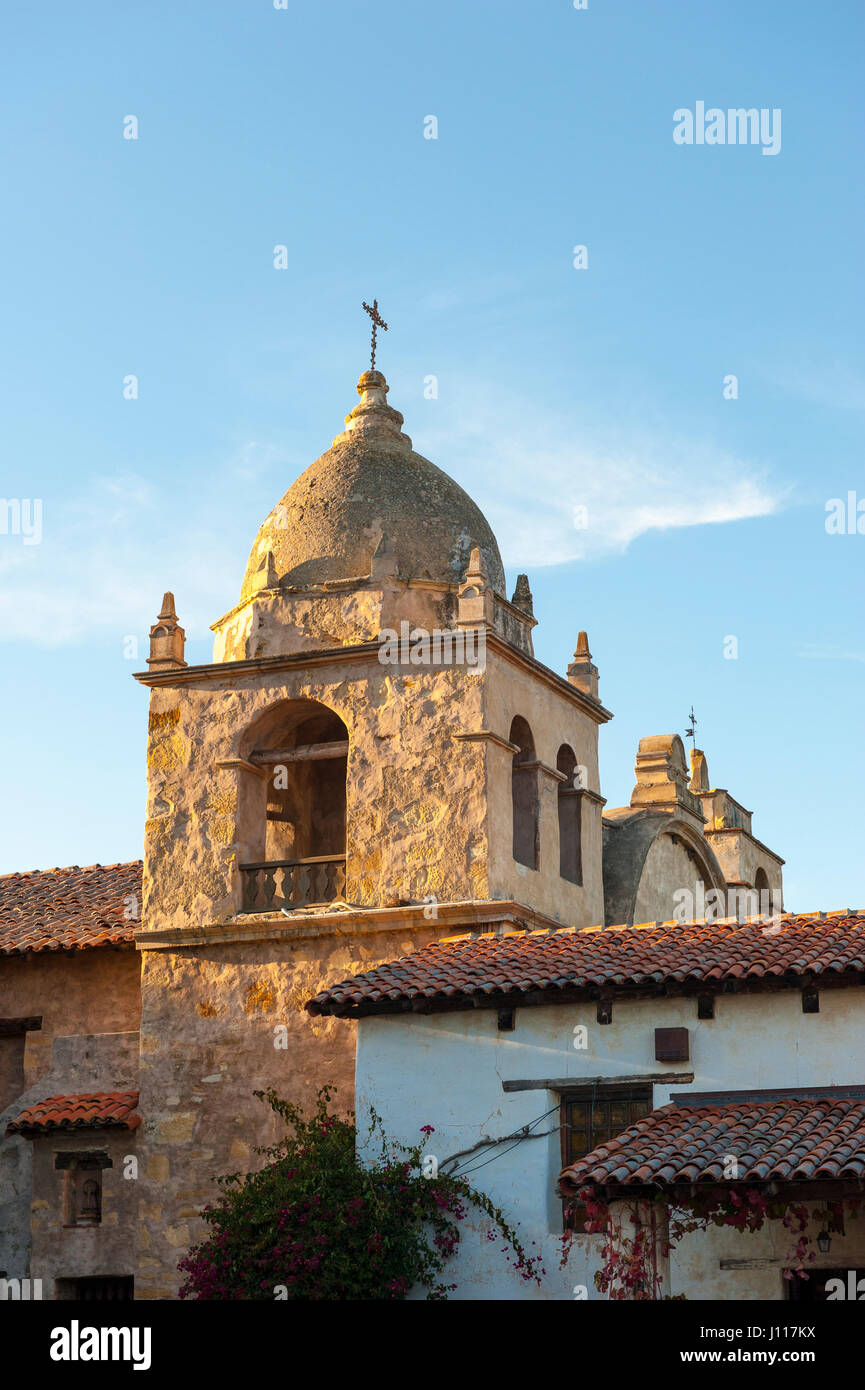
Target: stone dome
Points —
{"points": [[371, 484]]}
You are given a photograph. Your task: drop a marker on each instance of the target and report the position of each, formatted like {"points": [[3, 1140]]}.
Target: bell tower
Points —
{"points": [[373, 759]]}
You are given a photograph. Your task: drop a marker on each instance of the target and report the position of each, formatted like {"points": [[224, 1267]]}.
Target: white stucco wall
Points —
{"points": [[447, 1070]]}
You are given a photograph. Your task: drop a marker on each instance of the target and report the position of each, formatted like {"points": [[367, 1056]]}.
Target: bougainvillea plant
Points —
{"points": [[629, 1268], [316, 1223]]}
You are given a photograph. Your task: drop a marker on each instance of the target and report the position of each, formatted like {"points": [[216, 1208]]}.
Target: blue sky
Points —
{"points": [[557, 387]]}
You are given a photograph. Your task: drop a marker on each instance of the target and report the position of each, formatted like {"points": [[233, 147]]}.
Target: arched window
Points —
{"points": [[570, 807], [301, 748], [524, 795], [761, 883]]}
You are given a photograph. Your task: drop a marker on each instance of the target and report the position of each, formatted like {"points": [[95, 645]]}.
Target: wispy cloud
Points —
{"points": [[552, 492], [556, 492], [108, 553]]}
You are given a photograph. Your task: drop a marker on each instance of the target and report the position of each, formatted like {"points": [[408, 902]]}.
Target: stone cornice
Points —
{"points": [[593, 708], [231, 670], [487, 736], [528, 620], [325, 590], [353, 921], [722, 791], [740, 830], [361, 581], [536, 765]]}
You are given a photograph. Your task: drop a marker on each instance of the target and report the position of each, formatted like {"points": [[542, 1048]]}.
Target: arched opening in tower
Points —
{"points": [[570, 809], [298, 857], [524, 795]]}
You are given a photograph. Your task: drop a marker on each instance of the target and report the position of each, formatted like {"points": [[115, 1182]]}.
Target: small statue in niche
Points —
{"points": [[90, 1203]]}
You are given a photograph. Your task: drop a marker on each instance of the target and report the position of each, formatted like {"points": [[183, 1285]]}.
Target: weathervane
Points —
{"points": [[377, 322], [691, 731]]}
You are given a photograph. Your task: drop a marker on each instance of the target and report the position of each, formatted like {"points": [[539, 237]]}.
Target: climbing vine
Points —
{"points": [[629, 1268], [317, 1223]]}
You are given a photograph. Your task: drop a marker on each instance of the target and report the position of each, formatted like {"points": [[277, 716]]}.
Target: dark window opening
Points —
{"points": [[299, 824], [524, 796], [306, 791], [593, 1116], [570, 808], [114, 1288], [12, 1082]]}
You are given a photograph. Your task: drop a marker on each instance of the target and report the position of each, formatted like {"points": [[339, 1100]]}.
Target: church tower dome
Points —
{"points": [[370, 485]]}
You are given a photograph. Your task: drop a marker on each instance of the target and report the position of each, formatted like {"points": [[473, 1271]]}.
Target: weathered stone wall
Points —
{"points": [[283, 621], [415, 797], [76, 1252], [668, 869], [650, 856], [77, 992], [96, 991], [721, 810], [740, 857], [221, 1021], [554, 719], [11, 1067], [83, 1062]]}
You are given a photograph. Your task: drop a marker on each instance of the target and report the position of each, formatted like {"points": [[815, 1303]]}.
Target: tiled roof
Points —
{"points": [[69, 909], [791, 1140], [485, 968], [98, 1109]]}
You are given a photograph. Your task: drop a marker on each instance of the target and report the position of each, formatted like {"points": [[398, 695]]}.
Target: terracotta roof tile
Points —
{"points": [[487, 966], [97, 1109], [790, 1140], [69, 909]]}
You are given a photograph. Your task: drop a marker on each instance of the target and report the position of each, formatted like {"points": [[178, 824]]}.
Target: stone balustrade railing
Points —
{"points": [[292, 883]]}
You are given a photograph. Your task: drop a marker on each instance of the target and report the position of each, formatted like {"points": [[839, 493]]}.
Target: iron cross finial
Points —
{"points": [[691, 731], [377, 322]]}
